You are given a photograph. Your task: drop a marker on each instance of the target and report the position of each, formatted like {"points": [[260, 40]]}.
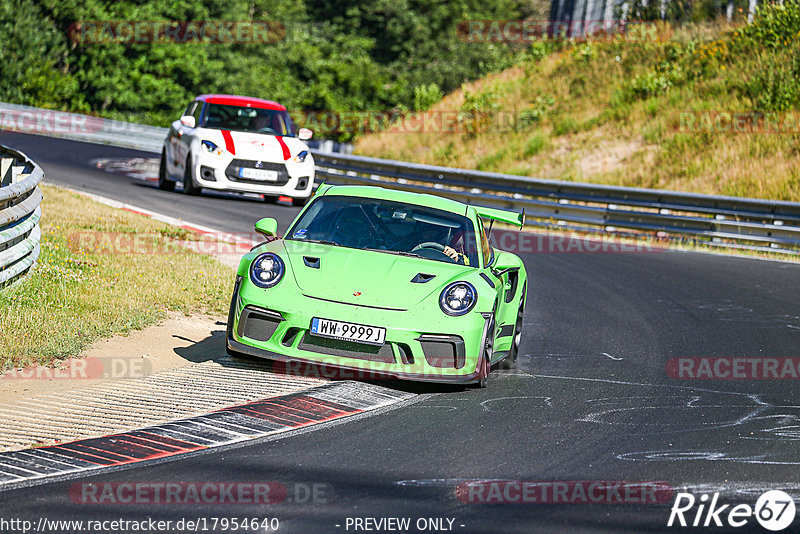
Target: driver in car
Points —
{"points": [[453, 243], [260, 123], [457, 244]]}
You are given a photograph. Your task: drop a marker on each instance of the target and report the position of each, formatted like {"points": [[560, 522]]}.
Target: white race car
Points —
{"points": [[237, 143]]}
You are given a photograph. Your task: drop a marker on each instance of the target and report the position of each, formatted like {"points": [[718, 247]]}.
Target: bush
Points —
{"points": [[585, 53], [536, 111], [775, 86], [425, 96], [655, 82], [478, 111], [774, 26], [539, 50]]}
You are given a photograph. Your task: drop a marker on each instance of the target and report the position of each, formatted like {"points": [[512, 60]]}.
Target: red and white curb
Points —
{"points": [[241, 423]]}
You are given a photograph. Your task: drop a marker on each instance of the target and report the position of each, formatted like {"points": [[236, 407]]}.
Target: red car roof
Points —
{"points": [[246, 101]]}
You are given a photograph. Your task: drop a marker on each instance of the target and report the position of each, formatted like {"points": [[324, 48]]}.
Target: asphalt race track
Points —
{"points": [[591, 399]]}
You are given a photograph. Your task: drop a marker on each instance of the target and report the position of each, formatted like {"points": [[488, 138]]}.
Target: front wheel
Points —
{"points": [[511, 359], [299, 201], [485, 365], [189, 186], [164, 183], [483, 373]]}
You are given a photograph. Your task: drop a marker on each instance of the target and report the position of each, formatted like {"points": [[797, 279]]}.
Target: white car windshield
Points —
{"points": [[244, 119]]}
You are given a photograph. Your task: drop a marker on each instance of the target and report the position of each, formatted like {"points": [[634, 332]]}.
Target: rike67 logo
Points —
{"points": [[774, 510]]}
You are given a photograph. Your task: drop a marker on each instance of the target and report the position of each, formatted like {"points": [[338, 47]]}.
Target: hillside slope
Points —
{"points": [[711, 111]]}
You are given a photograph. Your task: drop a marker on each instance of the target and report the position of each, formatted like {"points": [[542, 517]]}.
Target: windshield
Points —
{"points": [[244, 119], [388, 226]]}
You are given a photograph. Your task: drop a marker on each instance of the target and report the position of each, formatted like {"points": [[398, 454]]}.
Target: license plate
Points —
{"points": [[372, 335], [263, 175]]}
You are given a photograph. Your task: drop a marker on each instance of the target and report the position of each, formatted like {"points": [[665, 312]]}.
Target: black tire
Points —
{"points": [[299, 201], [270, 199], [483, 376], [189, 187], [485, 366], [164, 183], [510, 361]]}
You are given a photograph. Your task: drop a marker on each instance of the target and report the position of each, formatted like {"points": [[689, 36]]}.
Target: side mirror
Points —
{"points": [[504, 262], [188, 121], [304, 134], [267, 227]]}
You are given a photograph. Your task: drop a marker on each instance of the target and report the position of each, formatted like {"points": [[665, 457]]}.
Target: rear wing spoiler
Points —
{"points": [[517, 218]]}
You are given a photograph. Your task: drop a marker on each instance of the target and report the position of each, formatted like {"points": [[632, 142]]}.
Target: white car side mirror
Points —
{"points": [[188, 121], [304, 134]]}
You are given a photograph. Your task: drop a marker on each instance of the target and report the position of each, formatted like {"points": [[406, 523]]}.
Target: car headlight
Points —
{"points": [[301, 157], [211, 147], [458, 298], [267, 270]]}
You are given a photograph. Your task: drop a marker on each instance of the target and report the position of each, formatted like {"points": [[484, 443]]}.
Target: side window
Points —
{"points": [[486, 248], [189, 109], [197, 113]]}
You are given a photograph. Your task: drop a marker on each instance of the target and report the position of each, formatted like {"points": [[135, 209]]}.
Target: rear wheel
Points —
{"points": [[189, 186], [164, 183]]}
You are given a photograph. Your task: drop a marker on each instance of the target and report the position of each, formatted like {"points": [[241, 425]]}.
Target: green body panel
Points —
{"points": [[375, 289], [420, 199], [382, 279]]}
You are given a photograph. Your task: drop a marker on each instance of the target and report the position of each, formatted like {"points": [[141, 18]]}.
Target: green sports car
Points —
{"points": [[382, 282]]}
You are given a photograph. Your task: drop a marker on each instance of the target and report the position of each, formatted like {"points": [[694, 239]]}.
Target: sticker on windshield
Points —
{"points": [[300, 234], [399, 215]]}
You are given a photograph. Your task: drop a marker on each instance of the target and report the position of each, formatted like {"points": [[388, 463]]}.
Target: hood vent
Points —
{"points": [[311, 262], [422, 278]]}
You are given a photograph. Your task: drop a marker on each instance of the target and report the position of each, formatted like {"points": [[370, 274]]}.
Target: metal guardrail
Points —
{"points": [[718, 220], [78, 127], [20, 211], [91, 129]]}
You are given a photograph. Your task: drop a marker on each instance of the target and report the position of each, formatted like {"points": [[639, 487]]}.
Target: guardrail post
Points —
{"points": [[20, 211], [6, 169]]}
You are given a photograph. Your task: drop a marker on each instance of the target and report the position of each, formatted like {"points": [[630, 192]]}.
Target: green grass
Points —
{"points": [[82, 290], [535, 144]]}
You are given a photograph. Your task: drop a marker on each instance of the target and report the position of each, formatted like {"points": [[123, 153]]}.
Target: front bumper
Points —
{"points": [[412, 350], [210, 172]]}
